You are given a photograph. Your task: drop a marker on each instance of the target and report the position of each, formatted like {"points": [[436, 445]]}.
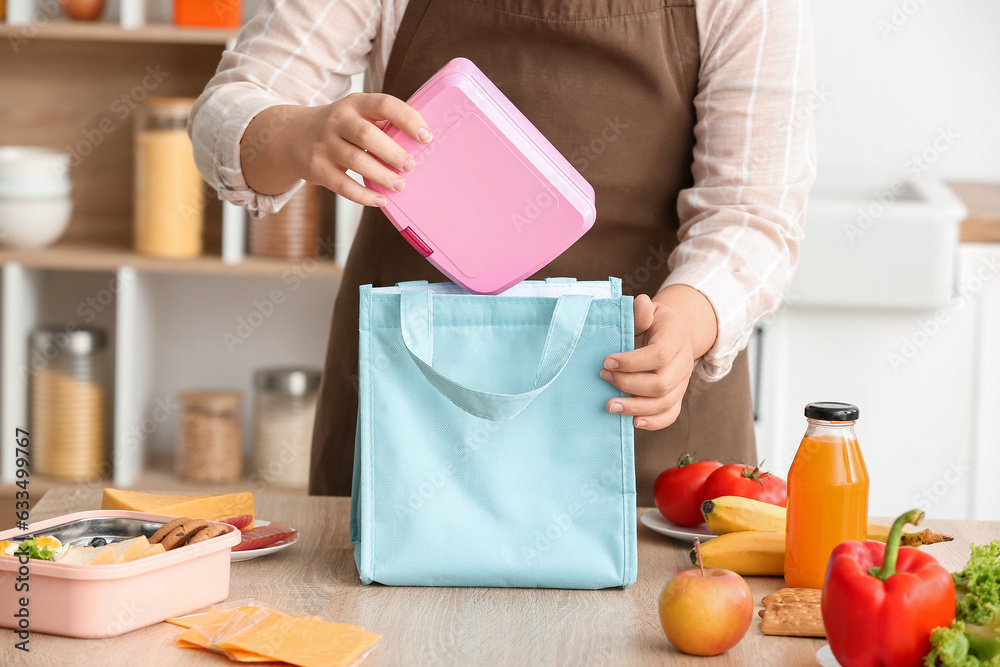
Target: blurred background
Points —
{"points": [[179, 351]]}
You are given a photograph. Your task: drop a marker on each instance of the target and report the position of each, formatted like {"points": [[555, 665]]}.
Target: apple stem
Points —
{"points": [[697, 550]]}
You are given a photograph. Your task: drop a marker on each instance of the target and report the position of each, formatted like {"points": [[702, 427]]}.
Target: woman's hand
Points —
{"points": [[319, 144], [673, 329]]}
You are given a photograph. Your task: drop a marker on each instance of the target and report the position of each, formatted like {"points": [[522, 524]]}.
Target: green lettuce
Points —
{"points": [[974, 638], [30, 548], [977, 587]]}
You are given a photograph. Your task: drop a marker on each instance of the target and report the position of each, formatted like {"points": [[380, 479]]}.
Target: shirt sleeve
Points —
{"points": [[291, 52], [754, 162]]}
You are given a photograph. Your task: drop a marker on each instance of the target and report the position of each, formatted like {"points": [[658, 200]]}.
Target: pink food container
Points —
{"points": [[490, 201], [93, 601]]}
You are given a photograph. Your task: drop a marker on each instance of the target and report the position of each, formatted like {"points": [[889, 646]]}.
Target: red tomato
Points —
{"points": [[678, 491], [740, 480]]}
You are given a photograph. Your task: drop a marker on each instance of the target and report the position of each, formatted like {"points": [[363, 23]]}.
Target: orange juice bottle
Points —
{"points": [[827, 493]]}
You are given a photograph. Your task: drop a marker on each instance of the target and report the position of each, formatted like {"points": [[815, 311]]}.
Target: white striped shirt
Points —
{"points": [[754, 157]]}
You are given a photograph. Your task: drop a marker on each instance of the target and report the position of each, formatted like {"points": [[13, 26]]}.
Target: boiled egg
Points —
{"points": [[49, 542]]}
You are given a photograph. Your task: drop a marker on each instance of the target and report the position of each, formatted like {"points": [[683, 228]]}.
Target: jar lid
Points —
{"points": [[179, 107], [290, 381], [67, 338], [210, 399], [832, 412]]}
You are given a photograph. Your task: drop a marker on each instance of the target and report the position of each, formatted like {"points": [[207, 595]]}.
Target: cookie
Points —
{"points": [[180, 535], [163, 532], [207, 533]]}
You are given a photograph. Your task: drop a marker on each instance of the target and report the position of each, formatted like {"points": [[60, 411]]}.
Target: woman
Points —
{"points": [[681, 113]]}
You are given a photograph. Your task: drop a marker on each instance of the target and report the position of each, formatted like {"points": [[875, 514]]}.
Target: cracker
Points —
{"points": [[805, 595], [792, 619]]}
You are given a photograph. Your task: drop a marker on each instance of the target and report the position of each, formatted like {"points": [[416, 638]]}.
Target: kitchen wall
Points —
{"points": [[896, 72], [207, 331], [892, 75]]}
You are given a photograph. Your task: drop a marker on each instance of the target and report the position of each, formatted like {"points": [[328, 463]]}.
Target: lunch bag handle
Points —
{"points": [[568, 318]]}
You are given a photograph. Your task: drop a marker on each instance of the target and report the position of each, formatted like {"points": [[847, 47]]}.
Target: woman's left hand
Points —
{"points": [[673, 329]]}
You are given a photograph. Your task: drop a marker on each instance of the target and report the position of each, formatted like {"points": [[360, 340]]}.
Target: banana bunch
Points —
{"points": [[751, 536]]}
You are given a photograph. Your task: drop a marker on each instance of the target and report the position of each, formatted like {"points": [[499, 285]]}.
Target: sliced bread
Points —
{"points": [[153, 550], [88, 556], [129, 550]]}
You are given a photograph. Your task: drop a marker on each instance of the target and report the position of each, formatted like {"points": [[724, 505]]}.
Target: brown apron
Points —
{"points": [[611, 84]]}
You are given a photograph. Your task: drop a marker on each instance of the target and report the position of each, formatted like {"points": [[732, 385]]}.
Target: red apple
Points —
{"points": [[705, 611]]}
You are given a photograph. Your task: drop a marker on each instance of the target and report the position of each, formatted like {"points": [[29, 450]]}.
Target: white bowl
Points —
{"points": [[28, 186], [33, 161], [33, 223]]}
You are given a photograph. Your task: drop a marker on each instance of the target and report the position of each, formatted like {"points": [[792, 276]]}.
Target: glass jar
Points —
{"points": [[294, 231], [827, 493], [284, 416], [209, 437], [169, 191], [68, 403]]}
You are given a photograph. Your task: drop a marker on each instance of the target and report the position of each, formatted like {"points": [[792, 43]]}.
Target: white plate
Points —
{"points": [[237, 556], [825, 658], [661, 524]]}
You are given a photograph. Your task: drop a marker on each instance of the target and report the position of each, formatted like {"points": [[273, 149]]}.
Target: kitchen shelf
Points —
{"points": [[169, 327], [81, 257], [106, 31]]}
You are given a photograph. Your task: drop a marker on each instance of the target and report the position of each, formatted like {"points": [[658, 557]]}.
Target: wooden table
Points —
{"points": [[446, 626]]}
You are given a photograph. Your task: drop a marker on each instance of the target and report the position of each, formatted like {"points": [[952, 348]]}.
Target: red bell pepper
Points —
{"points": [[880, 602]]}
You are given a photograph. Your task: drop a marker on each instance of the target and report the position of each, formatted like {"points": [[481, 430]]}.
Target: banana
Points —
{"points": [[880, 533], [732, 514], [750, 552]]}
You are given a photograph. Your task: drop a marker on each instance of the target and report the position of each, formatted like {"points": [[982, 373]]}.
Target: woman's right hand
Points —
{"points": [[319, 144]]}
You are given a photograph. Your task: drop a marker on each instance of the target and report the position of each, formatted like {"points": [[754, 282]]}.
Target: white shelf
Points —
{"points": [[19, 292], [103, 31], [79, 257], [27, 19]]}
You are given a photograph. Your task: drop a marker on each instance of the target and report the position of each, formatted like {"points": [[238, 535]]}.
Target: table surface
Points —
{"points": [[448, 626]]}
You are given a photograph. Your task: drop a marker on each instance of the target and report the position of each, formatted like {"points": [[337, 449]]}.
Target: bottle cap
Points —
{"points": [[832, 412]]}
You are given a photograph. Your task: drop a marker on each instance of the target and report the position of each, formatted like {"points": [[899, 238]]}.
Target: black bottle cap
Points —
{"points": [[832, 412]]}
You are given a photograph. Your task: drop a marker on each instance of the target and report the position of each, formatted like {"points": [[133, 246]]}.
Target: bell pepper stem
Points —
{"points": [[892, 544]]}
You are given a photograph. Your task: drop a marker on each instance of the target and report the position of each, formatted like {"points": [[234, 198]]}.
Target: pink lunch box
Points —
{"points": [[490, 201], [93, 601]]}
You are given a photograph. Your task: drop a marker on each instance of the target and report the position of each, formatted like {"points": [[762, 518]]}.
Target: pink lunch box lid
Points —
{"points": [[490, 201]]}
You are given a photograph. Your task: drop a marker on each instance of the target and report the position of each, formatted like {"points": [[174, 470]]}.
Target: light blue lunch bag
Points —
{"points": [[484, 453]]}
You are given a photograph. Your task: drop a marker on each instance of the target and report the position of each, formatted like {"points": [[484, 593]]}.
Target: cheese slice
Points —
{"points": [[305, 642], [256, 634], [200, 506]]}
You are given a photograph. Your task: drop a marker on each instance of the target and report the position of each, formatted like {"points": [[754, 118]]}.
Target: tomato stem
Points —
{"points": [[697, 550], [755, 473]]}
